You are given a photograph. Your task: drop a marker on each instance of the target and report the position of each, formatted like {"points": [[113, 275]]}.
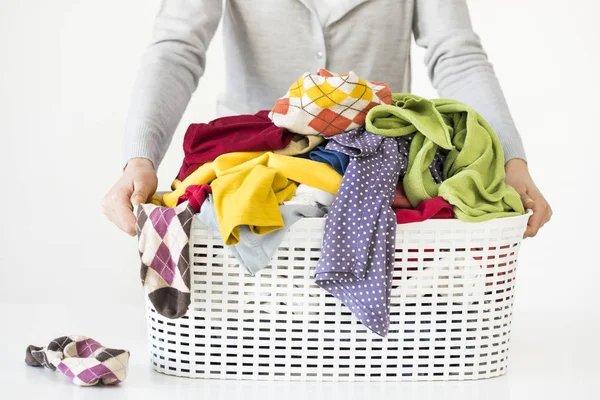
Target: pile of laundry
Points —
{"points": [[335, 146]]}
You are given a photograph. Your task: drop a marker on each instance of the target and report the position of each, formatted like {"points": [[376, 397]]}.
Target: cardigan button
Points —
{"points": [[320, 54]]}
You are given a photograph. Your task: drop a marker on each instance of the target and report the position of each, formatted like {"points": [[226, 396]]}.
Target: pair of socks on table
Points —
{"points": [[85, 361]]}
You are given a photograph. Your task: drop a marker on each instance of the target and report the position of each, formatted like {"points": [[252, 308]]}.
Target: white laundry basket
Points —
{"points": [[451, 310]]}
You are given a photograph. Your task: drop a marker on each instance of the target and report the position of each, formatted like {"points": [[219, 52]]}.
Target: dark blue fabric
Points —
{"points": [[337, 160]]}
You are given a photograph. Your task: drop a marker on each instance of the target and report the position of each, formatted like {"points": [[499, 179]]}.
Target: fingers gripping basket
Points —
{"points": [[451, 310]]}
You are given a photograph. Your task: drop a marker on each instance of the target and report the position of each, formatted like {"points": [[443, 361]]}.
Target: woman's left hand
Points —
{"points": [[517, 176]]}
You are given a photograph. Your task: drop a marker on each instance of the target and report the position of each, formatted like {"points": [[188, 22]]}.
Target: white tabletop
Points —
{"points": [[548, 360]]}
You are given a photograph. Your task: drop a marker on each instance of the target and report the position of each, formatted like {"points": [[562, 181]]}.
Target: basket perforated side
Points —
{"points": [[452, 298]]}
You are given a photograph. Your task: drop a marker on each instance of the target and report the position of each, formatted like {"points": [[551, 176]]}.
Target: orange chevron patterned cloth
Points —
{"points": [[328, 104]]}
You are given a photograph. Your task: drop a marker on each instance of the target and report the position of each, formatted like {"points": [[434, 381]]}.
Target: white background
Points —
{"points": [[66, 72]]}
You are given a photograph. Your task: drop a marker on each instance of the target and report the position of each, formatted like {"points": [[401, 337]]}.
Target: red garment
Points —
{"points": [[205, 142], [400, 199], [435, 208], [195, 194]]}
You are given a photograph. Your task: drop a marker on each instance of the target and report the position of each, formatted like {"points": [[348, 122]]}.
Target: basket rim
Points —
{"points": [[434, 224]]}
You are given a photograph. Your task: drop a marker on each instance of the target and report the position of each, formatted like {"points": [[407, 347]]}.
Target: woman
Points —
{"points": [[268, 44]]}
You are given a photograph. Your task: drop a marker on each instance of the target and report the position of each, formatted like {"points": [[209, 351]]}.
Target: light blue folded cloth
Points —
{"points": [[253, 251]]}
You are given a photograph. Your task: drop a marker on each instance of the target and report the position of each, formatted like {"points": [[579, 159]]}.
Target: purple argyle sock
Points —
{"points": [[163, 243], [85, 361]]}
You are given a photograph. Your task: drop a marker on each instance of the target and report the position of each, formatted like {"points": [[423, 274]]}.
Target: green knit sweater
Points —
{"points": [[474, 169]]}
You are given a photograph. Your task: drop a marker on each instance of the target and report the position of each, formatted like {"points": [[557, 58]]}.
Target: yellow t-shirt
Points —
{"points": [[248, 188]]}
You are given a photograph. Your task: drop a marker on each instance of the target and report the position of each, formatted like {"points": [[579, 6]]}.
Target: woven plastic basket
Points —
{"points": [[451, 310]]}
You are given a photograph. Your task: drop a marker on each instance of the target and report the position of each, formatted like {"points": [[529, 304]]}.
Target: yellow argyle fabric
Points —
{"points": [[328, 104]]}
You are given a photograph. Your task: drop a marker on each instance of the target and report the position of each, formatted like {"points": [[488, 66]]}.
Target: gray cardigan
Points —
{"points": [[268, 44]]}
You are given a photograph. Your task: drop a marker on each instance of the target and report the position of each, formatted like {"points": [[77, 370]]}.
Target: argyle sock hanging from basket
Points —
{"points": [[163, 243]]}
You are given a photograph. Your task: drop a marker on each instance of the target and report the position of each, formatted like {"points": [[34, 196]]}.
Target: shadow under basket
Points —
{"points": [[451, 310]]}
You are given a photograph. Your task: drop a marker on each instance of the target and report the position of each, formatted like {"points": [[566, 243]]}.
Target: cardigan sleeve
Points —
{"points": [[459, 68], [168, 75]]}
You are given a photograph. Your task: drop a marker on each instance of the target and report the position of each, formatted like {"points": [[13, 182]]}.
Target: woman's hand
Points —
{"points": [[517, 176], [136, 185]]}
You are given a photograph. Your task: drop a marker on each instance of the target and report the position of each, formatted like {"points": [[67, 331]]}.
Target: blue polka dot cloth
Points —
{"points": [[358, 252]]}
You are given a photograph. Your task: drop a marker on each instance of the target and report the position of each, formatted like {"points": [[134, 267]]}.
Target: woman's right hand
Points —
{"points": [[137, 184]]}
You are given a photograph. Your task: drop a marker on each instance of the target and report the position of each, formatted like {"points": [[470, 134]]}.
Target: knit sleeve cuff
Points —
{"points": [[511, 142], [142, 141]]}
